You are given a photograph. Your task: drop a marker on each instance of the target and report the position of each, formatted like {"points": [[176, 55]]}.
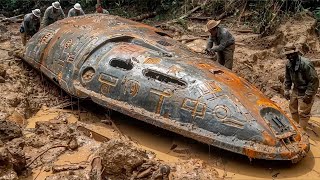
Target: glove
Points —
{"points": [[307, 99], [287, 94], [209, 51]]}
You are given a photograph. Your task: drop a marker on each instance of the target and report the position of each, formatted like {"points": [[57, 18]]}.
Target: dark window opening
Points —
{"points": [[163, 34], [288, 140], [215, 71], [122, 64], [122, 39], [55, 80], [164, 78], [164, 43]]}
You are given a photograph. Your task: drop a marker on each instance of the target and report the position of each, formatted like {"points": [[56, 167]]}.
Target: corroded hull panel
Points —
{"points": [[140, 71]]}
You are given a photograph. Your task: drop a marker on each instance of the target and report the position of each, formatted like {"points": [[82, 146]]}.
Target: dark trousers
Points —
{"points": [[225, 57]]}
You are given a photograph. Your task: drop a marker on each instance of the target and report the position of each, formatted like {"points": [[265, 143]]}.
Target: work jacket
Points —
{"points": [[30, 24], [51, 17], [73, 12], [303, 76], [222, 40], [104, 11]]}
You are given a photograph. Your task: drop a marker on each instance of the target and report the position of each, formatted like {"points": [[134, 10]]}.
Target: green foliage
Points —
{"points": [[268, 14], [316, 13], [14, 7], [215, 7], [8, 4], [86, 3]]}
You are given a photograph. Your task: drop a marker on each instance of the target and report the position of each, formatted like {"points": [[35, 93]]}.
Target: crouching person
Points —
{"points": [[100, 10], [30, 25], [220, 42], [76, 11], [52, 14]]}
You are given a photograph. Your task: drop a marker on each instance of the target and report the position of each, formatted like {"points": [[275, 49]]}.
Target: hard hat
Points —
{"points": [[56, 5], [36, 12], [77, 6]]}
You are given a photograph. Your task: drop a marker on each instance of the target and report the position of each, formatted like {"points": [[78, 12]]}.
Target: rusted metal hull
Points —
{"points": [[139, 71]]}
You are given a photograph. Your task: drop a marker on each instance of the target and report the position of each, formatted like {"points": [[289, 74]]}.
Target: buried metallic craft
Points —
{"points": [[140, 71]]}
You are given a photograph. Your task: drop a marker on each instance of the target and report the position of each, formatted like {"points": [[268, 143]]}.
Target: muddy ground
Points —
{"points": [[56, 137]]}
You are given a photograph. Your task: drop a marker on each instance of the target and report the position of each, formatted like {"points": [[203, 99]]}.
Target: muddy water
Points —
{"points": [[229, 165]]}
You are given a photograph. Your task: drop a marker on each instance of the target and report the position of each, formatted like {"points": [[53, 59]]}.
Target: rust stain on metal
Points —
{"points": [[250, 153], [268, 139], [152, 61], [140, 71]]}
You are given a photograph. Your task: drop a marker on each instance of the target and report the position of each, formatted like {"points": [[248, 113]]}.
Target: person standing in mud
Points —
{"points": [[30, 25], [300, 73], [221, 42], [76, 11], [52, 14]]}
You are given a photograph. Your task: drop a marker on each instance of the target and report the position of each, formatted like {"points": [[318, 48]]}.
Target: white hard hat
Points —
{"points": [[56, 5], [77, 6], [36, 12]]}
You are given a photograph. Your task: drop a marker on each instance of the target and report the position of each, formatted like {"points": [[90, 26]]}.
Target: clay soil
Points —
{"points": [[45, 134]]}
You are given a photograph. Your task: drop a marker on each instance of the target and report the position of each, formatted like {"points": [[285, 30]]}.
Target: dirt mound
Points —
{"points": [[23, 89], [68, 176], [193, 170], [12, 159], [300, 31], [262, 62], [54, 130], [9, 131], [17, 154], [121, 159], [6, 167], [25, 92]]}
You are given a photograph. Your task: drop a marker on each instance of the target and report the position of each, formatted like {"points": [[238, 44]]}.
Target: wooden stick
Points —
{"points": [[273, 18], [185, 15], [204, 37], [13, 19], [171, 28], [201, 18], [244, 31], [244, 8], [181, 17], [227, 9], [144, 173], [57, 146], [59, 168], [63, 105]]}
